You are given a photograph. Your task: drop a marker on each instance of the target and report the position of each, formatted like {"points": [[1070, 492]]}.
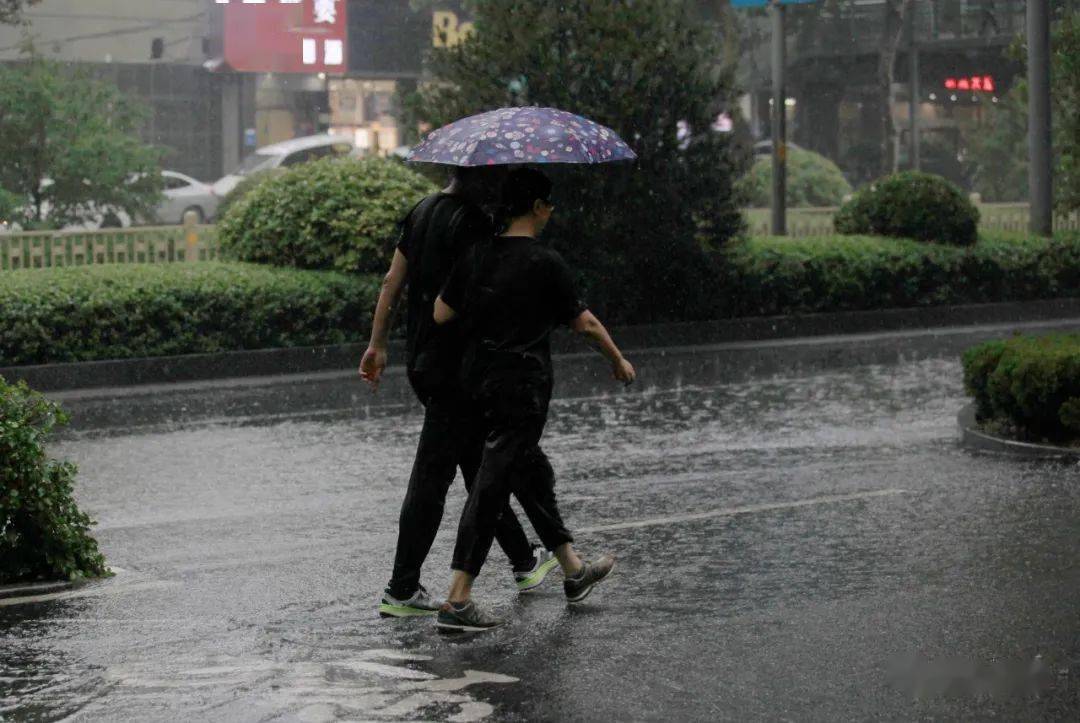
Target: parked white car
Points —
{"points": [[183, 194], [287, 153]]}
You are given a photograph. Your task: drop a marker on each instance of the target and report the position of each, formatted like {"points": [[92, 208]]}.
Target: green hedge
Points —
{"points": [[333, 214], [126, 311], [774, 275], [912, 205], [1028, 387], [812, 180], [43, 534]]}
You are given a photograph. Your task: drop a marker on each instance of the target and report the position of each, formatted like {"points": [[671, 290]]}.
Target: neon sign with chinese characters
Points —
{"points": [[981, 83], [285, 36]]}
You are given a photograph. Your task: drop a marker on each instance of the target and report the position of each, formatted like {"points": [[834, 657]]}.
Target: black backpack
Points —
{"points": [[434, 352]]}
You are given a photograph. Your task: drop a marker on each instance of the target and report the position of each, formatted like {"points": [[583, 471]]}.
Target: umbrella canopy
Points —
{"points": [[521, 135]]}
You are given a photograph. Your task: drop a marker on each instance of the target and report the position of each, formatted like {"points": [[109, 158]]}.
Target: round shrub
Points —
{"points": [[912, 205], [1028, 384], [812, 180], [334, 214], [124, 311], [43, 535]]}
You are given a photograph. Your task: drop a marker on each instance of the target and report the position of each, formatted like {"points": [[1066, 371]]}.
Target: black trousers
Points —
{"points": [[452, 437], [514, 412]]}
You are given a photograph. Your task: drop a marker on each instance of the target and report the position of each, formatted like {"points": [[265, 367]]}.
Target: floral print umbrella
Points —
{"points": [[521, 135]]}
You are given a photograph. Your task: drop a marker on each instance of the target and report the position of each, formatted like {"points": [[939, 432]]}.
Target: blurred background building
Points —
{"points": [[957, 52], [223, 78]]}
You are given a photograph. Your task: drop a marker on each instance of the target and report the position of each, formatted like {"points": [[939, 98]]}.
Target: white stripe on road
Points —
{"points": [[748, 509]]}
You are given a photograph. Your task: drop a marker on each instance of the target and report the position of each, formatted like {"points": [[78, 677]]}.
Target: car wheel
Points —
{"points": [[200, 217]]}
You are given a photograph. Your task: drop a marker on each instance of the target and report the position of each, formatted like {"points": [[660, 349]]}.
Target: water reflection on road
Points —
{"points": [[780, 583]]}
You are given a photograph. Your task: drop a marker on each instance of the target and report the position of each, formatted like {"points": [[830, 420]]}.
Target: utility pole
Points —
{"points": [[1039, 171], [779, 123], [915, 90]]}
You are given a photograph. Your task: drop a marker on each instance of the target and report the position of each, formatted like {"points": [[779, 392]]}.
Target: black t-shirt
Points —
{"points": [[433, 237], [511, 292]]}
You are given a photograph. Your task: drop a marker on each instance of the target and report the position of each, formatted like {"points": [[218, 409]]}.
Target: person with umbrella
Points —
{"points": [[433, 236], [510, 292]]}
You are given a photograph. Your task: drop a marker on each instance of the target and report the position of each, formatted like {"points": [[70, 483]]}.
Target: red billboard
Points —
{"points": [[285, 36]]}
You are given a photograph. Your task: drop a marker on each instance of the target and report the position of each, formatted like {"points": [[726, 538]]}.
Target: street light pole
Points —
{"points": [[1039, 170], [779, 123], [915, 92]]}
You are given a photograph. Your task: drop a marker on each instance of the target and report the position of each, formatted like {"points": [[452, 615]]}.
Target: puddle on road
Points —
{"points": [[373, 685]]}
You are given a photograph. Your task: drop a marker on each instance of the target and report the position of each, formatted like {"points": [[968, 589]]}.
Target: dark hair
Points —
{"points": [[466, 174], [523, 188]]}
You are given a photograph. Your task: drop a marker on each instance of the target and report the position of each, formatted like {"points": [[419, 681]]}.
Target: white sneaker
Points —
{"points": [[544, 563], [422, 603]]}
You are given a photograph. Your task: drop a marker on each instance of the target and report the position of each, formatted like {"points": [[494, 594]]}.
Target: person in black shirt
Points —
{"points": [[510, 292], [434, 234]]}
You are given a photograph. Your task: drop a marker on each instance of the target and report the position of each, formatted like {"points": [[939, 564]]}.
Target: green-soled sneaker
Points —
{"points": [[421, 604], [543, 563]]}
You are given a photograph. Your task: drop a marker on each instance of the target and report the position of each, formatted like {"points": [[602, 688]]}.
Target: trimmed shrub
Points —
{"points": [[1027, 384], [244, 187], [138, 310], [43, 535], [911, 205], [812, 180], [780, 275], [334, 214]]}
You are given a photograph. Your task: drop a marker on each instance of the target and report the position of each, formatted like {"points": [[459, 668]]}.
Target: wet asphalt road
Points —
{"points": [[812, 546]]}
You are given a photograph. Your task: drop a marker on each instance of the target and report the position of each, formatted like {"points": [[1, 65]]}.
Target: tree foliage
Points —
{"points": [[641, 232], [69, 145], [1000, 150], [11, 10]]}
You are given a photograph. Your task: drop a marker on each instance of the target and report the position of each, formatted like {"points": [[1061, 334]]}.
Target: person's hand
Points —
{"points": [[624, 372], [372, 366]]}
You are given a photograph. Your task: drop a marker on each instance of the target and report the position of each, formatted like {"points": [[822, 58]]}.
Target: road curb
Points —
{"points": [[308, 360], [33, 589], [974, 438]]}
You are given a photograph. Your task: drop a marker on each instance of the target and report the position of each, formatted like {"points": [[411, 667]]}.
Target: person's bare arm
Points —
{"points": [[374, 361], [443, 313], [590, 327]]}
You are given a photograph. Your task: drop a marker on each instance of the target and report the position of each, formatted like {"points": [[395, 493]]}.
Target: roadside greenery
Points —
{"points": [[138, 310], [911, 205], [338, 214], [999, 146], [775, 275], [638, 234], [812, 180], [43, 534], [11, 10], [70, 148], [1027, 387]]}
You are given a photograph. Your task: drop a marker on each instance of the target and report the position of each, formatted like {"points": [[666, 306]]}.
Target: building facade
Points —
{"points": [[222, 78]]}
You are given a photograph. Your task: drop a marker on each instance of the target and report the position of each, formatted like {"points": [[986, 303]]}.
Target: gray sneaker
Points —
{"points": [[420, 604], [469, 619], [578, 588]]}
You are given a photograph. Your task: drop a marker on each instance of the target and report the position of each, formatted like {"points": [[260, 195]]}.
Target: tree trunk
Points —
{"points": [[892, 30]]}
